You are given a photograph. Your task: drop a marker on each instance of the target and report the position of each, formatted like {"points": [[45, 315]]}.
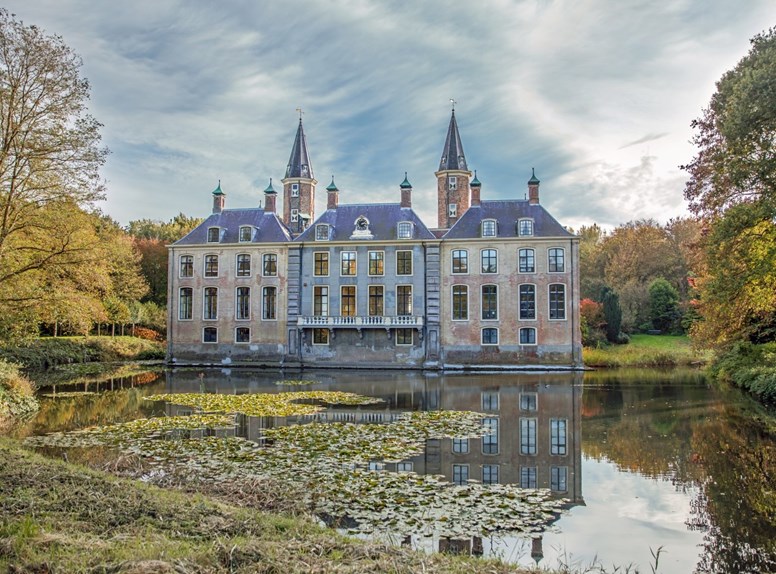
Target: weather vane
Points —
{"points": [[453, 102], [300, 113]]}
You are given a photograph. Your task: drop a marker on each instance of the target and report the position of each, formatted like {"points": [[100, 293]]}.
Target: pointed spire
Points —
{"points": [[299, 163], [332, 186], [217, 190], [534, 180], [406, 183], [475, 182], [452, 154], [270, 189]]}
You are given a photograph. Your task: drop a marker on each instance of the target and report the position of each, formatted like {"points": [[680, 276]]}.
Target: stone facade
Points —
{"points": [[369, 285]]}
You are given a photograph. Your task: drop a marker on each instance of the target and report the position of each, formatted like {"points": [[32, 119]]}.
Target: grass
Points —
{"points": [[17, 396], [60, 517], [46, 352], [647, 351]]}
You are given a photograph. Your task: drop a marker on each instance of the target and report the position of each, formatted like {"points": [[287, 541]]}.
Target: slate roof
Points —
{"points": [[452, 154], [270, 227], [382, 217], [506, 213], [299, 164]]}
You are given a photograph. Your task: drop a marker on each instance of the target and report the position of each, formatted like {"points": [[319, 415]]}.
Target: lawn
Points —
{"points": [[647, 351]]}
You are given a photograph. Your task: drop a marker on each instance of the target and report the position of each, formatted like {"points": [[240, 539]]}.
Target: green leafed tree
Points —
{"points": [[664, 305], [612, 314], [50, 156], [732, 187]]}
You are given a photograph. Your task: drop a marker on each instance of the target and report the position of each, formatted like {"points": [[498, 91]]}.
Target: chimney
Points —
{"points": [[219, 199], [475, 186], [406, 192], [270, 198], [332, 198], [533, 189]]}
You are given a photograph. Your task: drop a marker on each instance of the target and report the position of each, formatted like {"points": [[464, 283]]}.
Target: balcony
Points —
{"points": [[365, 322]]}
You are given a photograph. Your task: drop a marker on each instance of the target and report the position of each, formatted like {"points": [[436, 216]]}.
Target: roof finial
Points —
{"points": [[300, 114], [452, 103]]}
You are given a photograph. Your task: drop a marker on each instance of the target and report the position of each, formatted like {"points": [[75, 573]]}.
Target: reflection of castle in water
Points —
{"points": [[534, 419]]}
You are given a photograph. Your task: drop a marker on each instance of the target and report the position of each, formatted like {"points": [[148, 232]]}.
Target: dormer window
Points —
{"points": [[489, 228], [294, 190], [213, 234], [322, 232], [452, 182], [525, 227], [452, 210], [404, 230], [246, 233]]}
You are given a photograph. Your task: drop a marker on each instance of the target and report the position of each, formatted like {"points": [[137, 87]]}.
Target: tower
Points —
{"points": [[299, 186], [452, 179]]}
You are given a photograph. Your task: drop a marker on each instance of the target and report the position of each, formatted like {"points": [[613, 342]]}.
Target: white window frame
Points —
{"points": [[563, 254], [412, 299], [369, 263], [191, 304], [328, 336], [533, 256], [236, 303], [562, 445], [562, 473], [205, 328], [489, 403], [405, 230], [520, 301], [355, 263], [460, 468], [491, 468], [459, 445], [519, 337], [236, 342], [237, 272], [482, 337], [323, 297], [322, 232], [482, 251], [190, 266], [452, 182], [482, 298], [452, 262], [264, 264], [531, 446], [218, 233], [204, 266], [452, 210], [412, 262], [565, 303], [412, 337], [328, 263], [243, 228], [489, 225], [294, 215], [355, 300], [452, 302], [204, 304], [264, 300], [531, 402], [494, 422], [521, 224], [294, 190]]}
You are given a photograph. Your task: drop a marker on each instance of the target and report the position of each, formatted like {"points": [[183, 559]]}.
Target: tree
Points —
{"points": [[732, 187], [612, 314], [664, 305], [50, 156]]}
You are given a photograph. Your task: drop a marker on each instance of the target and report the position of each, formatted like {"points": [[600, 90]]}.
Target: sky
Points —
{"points": [[596, 95]]}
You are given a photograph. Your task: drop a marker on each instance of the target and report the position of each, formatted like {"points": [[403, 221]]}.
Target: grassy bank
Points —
{"points": [[647, 351], [17, 396], [47, 352], [59, 517], [751, 368]]}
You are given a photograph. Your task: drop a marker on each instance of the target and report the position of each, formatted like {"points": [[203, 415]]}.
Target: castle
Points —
{"points": [[494, 286]]}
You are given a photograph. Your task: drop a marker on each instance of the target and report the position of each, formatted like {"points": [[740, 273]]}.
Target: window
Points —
{"points": [[321, 303], [270, 266], [527, 436], [404, 263], [489, 400], [210, 309], [321, 232], [404, 336], [376, 260], [527, 477], [460, 474], [557, 301], [187, 266], [320, 336], [348, 301], [242, 335], [528, 401], [490, 336], [558, 436], [210, 335], [294, 215], [269, 303], [525, 227], [526, 261], [246, 233], [404, 467], [489, 302], [243, 265], [185, 296], [243, 303], [321, 264], [348, 263], [556, 260], [376, 298], [460, 261], [452, 182], [489, 228], [213, 234], [404, 230], [452, 210], [558, 478], [294, 190], [460, 303], [527, 336], [489, 261], [460, 445], [376, 466], [490, 440], [404, 300], [211, 265], [489, 474], [527, 302]]}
